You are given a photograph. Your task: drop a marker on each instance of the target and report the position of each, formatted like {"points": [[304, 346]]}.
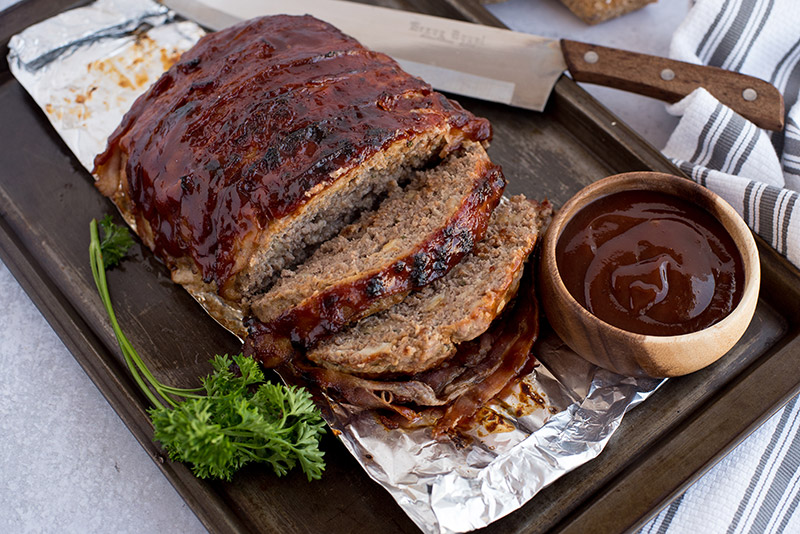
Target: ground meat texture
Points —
{"points": [[415, 237], [424, 329]]}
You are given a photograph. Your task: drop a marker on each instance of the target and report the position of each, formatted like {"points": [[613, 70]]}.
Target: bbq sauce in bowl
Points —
{"points": [[645, 282], [650, 263]]}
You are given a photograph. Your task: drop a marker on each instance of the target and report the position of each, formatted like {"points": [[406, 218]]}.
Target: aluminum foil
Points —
{"points": [[85, 68]]}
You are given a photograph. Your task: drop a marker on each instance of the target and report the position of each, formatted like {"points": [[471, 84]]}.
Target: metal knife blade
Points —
{"points": [[500, 65], [453, 56]]}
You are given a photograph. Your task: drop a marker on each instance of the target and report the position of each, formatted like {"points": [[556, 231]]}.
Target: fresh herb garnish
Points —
{"points": [[235, 418], [116, 242]]}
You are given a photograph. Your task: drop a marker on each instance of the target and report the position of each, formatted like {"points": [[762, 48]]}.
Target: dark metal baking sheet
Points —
{"points": [[47, 200]]}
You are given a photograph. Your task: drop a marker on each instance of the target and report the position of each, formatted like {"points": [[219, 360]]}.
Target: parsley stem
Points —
{"points": [[132, 359], [183, 392], [233, 423]]}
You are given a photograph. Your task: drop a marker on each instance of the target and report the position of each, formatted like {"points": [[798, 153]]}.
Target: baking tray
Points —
{"points": [[47, 200]]}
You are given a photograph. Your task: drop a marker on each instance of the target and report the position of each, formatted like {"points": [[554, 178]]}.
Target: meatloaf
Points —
{"points": [[424, 329], [263, 141], [412, 239]]}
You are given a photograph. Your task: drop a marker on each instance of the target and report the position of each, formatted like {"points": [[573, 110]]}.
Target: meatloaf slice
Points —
{"points": [[423, 330], [263, 141], [414, 237]]}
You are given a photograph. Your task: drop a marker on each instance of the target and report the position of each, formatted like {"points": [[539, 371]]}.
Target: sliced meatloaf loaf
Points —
{"points": [[423, 330], [414, 237], [263, 141]]}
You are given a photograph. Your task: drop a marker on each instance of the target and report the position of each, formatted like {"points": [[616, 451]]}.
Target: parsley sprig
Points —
{"points": [[115, 243], [235, 417]]}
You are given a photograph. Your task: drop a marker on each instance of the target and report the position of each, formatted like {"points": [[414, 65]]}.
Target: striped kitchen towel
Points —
{"points": [[756, 171], [756, 488]]}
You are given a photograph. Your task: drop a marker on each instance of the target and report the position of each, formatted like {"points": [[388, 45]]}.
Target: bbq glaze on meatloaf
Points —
{"points": [[264, 141]]}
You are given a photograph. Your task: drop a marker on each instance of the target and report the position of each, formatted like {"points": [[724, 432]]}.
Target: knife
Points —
{"points": [[501, 65]]}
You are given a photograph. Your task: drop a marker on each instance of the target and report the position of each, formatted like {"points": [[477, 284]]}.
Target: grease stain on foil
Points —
{"points": [[85, 67]]}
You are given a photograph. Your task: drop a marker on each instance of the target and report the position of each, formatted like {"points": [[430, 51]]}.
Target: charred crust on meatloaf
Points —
{"points": [[375, 287], [419, 269]]}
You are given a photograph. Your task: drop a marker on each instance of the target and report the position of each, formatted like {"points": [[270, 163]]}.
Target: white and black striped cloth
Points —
{"points": [[756, 488], [757, 171]]}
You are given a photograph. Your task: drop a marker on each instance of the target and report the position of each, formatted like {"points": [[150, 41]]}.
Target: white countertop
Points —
{"points": [[68, 462]]}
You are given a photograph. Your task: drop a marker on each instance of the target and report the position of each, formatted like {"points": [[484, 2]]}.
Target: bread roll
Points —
{"points": [[594, 11]]}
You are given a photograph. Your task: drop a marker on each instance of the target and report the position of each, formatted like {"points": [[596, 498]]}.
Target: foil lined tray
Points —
{"points": [[85, 68]]}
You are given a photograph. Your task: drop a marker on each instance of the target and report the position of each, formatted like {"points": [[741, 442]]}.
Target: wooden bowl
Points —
{"points": [[635, 354]]}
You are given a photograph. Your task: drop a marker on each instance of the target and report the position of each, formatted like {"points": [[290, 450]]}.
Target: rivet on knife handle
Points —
{"points": [[670, 80]]}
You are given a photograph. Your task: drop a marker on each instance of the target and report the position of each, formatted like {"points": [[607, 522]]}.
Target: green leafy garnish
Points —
{"points": [[116, 242], [235, 418]]}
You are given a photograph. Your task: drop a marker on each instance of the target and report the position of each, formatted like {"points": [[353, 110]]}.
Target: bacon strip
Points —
{"points": [[514, 349], [449, 396]]}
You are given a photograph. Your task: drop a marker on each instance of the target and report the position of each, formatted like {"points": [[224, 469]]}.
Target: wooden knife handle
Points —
{"points": [[670, 80]]}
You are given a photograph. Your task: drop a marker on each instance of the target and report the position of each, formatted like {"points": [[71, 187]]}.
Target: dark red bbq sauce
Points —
{"points": [[650, 263], [253, 121]]}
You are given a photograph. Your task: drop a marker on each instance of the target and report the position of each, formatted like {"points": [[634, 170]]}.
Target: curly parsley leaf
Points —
{"points": [[115, 243], [233, 425], [234, 419]]}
